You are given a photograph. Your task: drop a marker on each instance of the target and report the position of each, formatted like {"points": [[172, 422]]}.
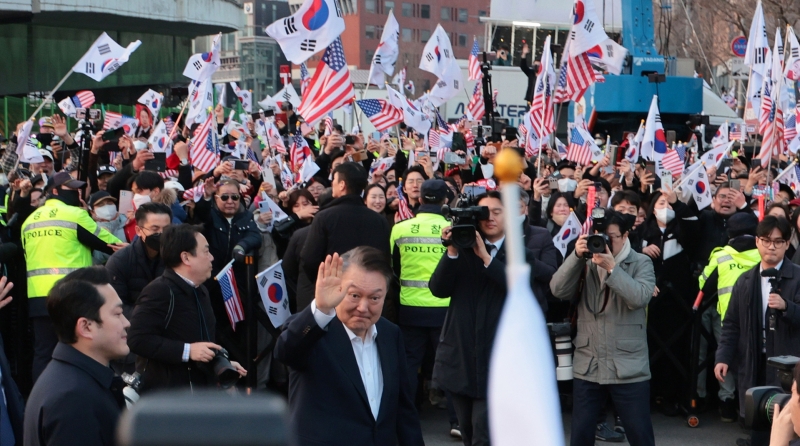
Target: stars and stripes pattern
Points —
{"points": [[476, 107], [673, 161], [579, 151], [380, 113], [83, 99], [790, 128], [735, 132], [586, 227], [328, 124], [767, 109], [474, 64], [403, 211], [112, 120], [575, 77], [275, 140], [194, 193], [299, 151], [230, 295], [204, 152], [773, 144], [330, 88], [433, 138], [305, 78]]}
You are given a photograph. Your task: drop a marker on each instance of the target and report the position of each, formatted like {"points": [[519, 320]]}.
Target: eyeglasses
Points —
{"points": [[614, 236], [777, 243], [226, 197], [418, 181]]}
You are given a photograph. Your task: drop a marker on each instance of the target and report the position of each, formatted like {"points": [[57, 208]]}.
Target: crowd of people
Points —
{"points": [[392, 254]]}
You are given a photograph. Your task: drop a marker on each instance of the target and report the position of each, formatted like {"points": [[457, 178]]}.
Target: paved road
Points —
{"points": [[669, 431]]}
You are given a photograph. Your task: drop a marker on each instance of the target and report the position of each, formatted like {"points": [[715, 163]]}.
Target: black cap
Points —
{"points": [[64, 179], [565, 164], [433, 191], [104, 169], [97, 196], [742, 223]]}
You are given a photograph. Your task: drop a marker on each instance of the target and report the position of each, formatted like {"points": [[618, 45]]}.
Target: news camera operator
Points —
{"points": [[763, 316], [786, 421], [474, 277], [611, 286]]}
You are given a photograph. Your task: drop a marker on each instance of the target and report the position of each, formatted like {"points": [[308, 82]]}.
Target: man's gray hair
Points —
{"points": [[369, 259]]}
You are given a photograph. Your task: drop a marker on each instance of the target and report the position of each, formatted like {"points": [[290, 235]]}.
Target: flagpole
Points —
{"points": [[175, 127], [50, 95], [680, 182], [785, 171]]}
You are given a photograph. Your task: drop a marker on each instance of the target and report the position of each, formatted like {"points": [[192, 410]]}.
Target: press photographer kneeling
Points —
{"points": [[778, 406], [610, 285]]}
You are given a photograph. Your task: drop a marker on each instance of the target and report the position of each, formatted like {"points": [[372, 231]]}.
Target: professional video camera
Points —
{"points": [[759, 402], [597, 242], [465, 221]]}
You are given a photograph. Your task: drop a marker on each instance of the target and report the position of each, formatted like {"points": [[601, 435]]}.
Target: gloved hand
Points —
{"points": [[238, 253]]}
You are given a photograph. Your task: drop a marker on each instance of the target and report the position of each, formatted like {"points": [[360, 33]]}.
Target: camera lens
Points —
{"points": [[596, 244], [759, 406], [463, 236], [223, 370]]}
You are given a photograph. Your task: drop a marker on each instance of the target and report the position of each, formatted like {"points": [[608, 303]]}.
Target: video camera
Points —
{"points": [[465, 221], [759, 402], [597, 242]]}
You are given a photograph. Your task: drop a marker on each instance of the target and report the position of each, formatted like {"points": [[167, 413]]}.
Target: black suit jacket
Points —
{"points": [[14, 402], [73, 402], [159, 344], [327, 400]]}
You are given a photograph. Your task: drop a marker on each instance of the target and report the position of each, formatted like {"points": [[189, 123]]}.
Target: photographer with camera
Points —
{"points": [[173, 325], [763, 316], [786, 420], [611, 285], [472, 273]]}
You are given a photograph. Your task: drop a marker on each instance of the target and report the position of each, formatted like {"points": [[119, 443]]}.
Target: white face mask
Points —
{"points": [[139, 145], [140, 199], [665, 215], [567, 185], [106, 212], [3, 179]]}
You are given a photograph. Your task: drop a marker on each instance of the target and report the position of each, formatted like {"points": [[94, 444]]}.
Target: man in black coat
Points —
{"points": [[475, 281], [76, 399], [710, 229], [760, 323], [172, 329], [13, 406], [345, 223], [348, 382], [546, 257], [230, 230]]}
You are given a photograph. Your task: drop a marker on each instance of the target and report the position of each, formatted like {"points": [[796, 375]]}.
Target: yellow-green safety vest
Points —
{"points": [[52, 249], [4, 208], [419, 240], [730, 264]]}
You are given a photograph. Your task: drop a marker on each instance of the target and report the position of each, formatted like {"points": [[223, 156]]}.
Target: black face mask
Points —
{"points": [[70, 197], [153, 241]]}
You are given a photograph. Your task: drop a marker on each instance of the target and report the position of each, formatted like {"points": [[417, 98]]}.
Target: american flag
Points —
{"points": [[586, 227], [542, 105], [476, 106], [330, 88], [474, 64], [83, 99], [767, 110], [673, 160], [252, 156], [523, 135], [380, 113], [305, 78], [169, 173], [195, 193], [790, 128], [433, 139], [735, 132], [328, 124], [230, 295], [112, 120], [562, 149], [403, 211], [299, 151], [275, 140], [204, 153], [575, 76], [579, 151]]}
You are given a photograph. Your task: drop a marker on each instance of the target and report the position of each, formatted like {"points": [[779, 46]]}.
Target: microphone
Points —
{"points": [[773, 275]]}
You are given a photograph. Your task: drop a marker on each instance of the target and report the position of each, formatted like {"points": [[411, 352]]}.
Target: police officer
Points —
{"points": [[724, 267], [58, 238], [416, 246]]}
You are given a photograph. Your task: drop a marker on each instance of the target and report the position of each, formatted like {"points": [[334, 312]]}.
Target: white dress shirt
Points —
{"points": [[366, 353], [765, 287]]}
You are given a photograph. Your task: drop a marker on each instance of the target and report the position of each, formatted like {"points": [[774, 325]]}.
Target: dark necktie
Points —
{"points": [[490, 248]]}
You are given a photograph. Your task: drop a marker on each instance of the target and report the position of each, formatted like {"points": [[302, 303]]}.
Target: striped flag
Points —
{"points": [[673, 162], [542, 105], [735, 132], [83, 99], [195, 193], [299, 151], [230, 295], [380, 113], [330, 88], [433, 139], [203, 153], [474, 69], [403, 211], [476, 106], [305, 78], [112, 120], [586, 227], [790, 128], [328, 124], [275, 139], [579, 151], [575, 76]]}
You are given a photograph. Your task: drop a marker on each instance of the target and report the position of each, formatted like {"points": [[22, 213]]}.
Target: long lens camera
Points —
{"points": [[759, 402]]}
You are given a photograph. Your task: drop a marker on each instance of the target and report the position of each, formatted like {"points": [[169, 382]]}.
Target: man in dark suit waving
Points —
{"points": [[348, 381]]}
